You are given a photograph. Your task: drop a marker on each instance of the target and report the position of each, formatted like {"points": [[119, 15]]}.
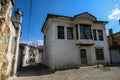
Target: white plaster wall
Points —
{"points": [[47, 47], [27, 54], [61, 52], [38, 56], [101, 44], [9, 53]]}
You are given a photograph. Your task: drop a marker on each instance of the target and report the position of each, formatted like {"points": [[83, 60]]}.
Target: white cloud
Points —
{"points": [[115, 14], [34, 43]]}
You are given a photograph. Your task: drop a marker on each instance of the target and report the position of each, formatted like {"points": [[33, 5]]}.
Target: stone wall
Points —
{"points": [[4, 39], [3, 53]]}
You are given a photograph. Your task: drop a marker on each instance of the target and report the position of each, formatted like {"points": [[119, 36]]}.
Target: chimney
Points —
{"points": [[17, 19], [110, 37], [110, 31]]}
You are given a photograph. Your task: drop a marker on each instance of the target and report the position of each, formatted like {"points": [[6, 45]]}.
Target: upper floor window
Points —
{"points": [[69, 33], [115, 42], [76, 27], [100, 35], [99, 54], [44, 39], [94, 35], [60, 32], [85, 31]]}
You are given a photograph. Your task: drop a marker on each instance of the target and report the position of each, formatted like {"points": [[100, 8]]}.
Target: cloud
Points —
{"points": [[115, 15], [34, 43]]}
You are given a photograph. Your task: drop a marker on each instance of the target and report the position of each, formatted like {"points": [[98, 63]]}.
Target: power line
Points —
{"points": [[29, 20]]}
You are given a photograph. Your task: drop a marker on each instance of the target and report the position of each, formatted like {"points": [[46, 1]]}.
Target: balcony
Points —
{"points": [[85, 42]]}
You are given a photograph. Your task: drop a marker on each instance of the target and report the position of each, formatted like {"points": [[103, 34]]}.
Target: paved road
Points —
{"points": [[83, 73]]}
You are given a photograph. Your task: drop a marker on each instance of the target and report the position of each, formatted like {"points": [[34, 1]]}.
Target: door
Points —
{"points": [[115, 56], [83, 56]]}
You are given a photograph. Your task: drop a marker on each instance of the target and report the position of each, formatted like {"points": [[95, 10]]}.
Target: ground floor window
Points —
{"points": [[99, 54]]}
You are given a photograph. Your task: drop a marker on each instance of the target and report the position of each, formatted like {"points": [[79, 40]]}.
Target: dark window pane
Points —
{"points": [[85, 32], [76, 26], [88, 33], [69, 33], [82, 32], [94, 35], [44, 39], [100, 35], [83, 53], [99, 54], [60, 32]]}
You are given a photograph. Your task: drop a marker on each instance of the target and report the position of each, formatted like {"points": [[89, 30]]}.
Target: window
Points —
{"points": [[76, 27], [44, 39], [115, 42], [83, 53], [60, 32], [69, 33], [99, 54], [85, 32], [100, 35], [94, 35]]}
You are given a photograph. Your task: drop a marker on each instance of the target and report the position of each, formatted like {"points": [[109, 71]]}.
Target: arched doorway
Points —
{"points": [[83, 56]]}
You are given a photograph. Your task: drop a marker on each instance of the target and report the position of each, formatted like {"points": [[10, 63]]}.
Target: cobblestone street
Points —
{"points": [[83, 73]]}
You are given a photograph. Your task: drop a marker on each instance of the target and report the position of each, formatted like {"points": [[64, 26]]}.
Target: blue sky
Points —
{"points": [[107, 10]]}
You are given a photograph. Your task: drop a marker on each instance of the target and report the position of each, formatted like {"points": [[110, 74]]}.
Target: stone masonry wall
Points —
{"points": [[4, 40], [3, 54]]}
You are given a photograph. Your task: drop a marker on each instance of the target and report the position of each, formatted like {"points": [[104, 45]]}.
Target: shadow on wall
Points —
{"points": [[34, 70]]}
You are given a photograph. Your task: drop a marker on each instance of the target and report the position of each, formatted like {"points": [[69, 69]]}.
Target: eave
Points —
{"points": [[103, 22], [53, 16]]}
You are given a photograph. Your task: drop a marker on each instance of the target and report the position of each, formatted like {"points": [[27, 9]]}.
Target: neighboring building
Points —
{"points": [[74, 41], [9, 37], [114, 46], [30, 54], [21, 55]]}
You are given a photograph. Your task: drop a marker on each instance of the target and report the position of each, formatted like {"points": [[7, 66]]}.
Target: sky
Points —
{"points": [[106, 10]]}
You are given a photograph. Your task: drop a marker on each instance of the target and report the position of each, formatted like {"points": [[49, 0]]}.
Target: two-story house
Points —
{"points": [[74, 41]]}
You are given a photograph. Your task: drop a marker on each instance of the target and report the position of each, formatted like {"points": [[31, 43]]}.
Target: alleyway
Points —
{"points": [[83, 73], [33, 70]]}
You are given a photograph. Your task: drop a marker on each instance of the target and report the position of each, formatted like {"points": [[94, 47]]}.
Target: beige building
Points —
{"points": [[9, 37], [114, 46], [74, 41]]}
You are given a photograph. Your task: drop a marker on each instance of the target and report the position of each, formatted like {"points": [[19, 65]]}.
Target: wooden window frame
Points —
{"points": [[71, 33], [101, 38], [44, 39], [61, 35], [99, 56], [85, 30], [94, 35]]}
